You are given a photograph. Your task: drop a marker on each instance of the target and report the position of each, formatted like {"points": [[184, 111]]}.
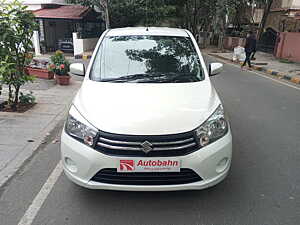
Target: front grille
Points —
{"points": [[111, 176], [132, 145]]}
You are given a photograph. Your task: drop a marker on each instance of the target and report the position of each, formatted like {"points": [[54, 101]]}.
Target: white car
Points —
{"points": [[146, 117]]}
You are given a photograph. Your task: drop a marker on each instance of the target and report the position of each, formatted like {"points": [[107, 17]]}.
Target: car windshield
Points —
{"points": [[147, 59]]}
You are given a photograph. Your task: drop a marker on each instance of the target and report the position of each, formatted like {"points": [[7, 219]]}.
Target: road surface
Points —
{"points": [[263, 187]]}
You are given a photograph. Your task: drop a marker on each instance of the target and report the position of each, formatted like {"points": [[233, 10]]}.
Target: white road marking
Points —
{"points": [[38, 201], [260, 74]]}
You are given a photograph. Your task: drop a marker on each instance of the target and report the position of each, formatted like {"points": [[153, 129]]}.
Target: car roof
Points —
{"points": [[157, 31]]}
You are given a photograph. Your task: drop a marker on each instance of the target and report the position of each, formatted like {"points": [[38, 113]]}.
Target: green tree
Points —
{"points": [[267, 8], [195, 15], [16, 29], [220, 17], [238, 11], [123, 13], [96, 4]]}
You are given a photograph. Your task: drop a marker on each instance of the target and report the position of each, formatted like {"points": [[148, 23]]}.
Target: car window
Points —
{"points": [[147, 59]]}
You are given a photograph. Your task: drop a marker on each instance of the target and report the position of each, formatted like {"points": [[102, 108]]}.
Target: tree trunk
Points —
{"points": [[104, 4], [220, 22], [107, 22], [17, 90], [264, 18], [220, 42], [194, 30], [187, 16], [10, 94]]}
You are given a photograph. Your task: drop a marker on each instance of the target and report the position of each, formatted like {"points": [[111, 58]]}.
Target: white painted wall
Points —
{"points": [[83, 45], [258, 15], [296, 4], [36, 43], [286, 3], [291, 4], [37, 4], [78, 45], [34, 7], [41, 2], [33, 2]]}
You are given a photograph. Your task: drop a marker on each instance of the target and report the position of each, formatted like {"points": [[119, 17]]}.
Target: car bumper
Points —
{"points": [[86, 162]]}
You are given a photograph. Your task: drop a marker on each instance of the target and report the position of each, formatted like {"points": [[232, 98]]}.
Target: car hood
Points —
{"points": [[146, 109]]}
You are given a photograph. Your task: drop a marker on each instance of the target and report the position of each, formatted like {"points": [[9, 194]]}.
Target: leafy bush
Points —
{"points": [[286, 61], [27, 98], [59, 64], [16, 29]]}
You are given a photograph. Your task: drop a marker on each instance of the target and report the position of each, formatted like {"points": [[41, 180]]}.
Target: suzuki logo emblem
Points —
{"points": [[147, 147]]}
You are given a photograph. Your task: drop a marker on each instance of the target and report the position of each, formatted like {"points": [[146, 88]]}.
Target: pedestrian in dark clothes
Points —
{"points": [[253, 55], [250, 47]]}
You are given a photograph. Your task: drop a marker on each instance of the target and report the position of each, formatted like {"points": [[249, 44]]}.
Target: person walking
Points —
{"points": [[250, 47]]}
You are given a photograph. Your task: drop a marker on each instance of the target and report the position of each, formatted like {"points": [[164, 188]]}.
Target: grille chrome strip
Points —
{"points": [[119, 142], [139, 143], [139, 149], [173, 142], [118, 147], [174, 148]]}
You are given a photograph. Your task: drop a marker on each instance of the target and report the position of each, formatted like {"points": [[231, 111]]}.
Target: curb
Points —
{"points": [[280, 75], [83, 56], [29, 150]]}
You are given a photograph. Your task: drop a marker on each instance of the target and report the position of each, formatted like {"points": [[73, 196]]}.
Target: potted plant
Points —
{"points": [[39, 68], [60, 66]]}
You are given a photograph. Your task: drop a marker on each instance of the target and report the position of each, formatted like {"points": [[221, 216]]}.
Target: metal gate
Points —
{"points": [[267, 41]]}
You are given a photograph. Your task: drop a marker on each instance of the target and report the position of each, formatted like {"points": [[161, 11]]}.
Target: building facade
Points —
{"points": [[39, 4], [284, 16], [58, 24]]}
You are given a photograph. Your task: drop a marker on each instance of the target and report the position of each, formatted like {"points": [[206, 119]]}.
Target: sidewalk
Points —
{"points": [[68, 56], [266, 63], [22, 133], [85, 56]]}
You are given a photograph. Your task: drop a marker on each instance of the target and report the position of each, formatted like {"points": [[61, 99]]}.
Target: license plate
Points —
{"points": [[148, 165]]}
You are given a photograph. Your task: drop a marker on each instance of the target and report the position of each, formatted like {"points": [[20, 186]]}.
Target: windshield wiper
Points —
{"points": [[158, 77], [185, 77], [142, 76]]}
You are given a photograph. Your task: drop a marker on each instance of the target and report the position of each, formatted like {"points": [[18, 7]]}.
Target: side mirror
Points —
{"points": [[215, 68], [77, 69]]}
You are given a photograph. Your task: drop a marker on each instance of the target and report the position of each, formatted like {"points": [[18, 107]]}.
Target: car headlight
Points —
{"points": [[213, 128], [77, 127]]}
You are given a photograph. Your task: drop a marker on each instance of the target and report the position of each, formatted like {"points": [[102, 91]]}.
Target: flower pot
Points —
{"points": [[26, 70], [62, 79], [40, 73]]}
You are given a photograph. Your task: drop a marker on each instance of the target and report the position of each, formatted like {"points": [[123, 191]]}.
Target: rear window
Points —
{"points": [[147, 59]]}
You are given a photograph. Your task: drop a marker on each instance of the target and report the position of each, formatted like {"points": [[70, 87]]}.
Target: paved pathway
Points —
{"points": [[22, 133], [267, 63]]}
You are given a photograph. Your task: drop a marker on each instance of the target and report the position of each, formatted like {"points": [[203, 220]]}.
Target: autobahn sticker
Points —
{"points": [[149, 165], [127, 165]]}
